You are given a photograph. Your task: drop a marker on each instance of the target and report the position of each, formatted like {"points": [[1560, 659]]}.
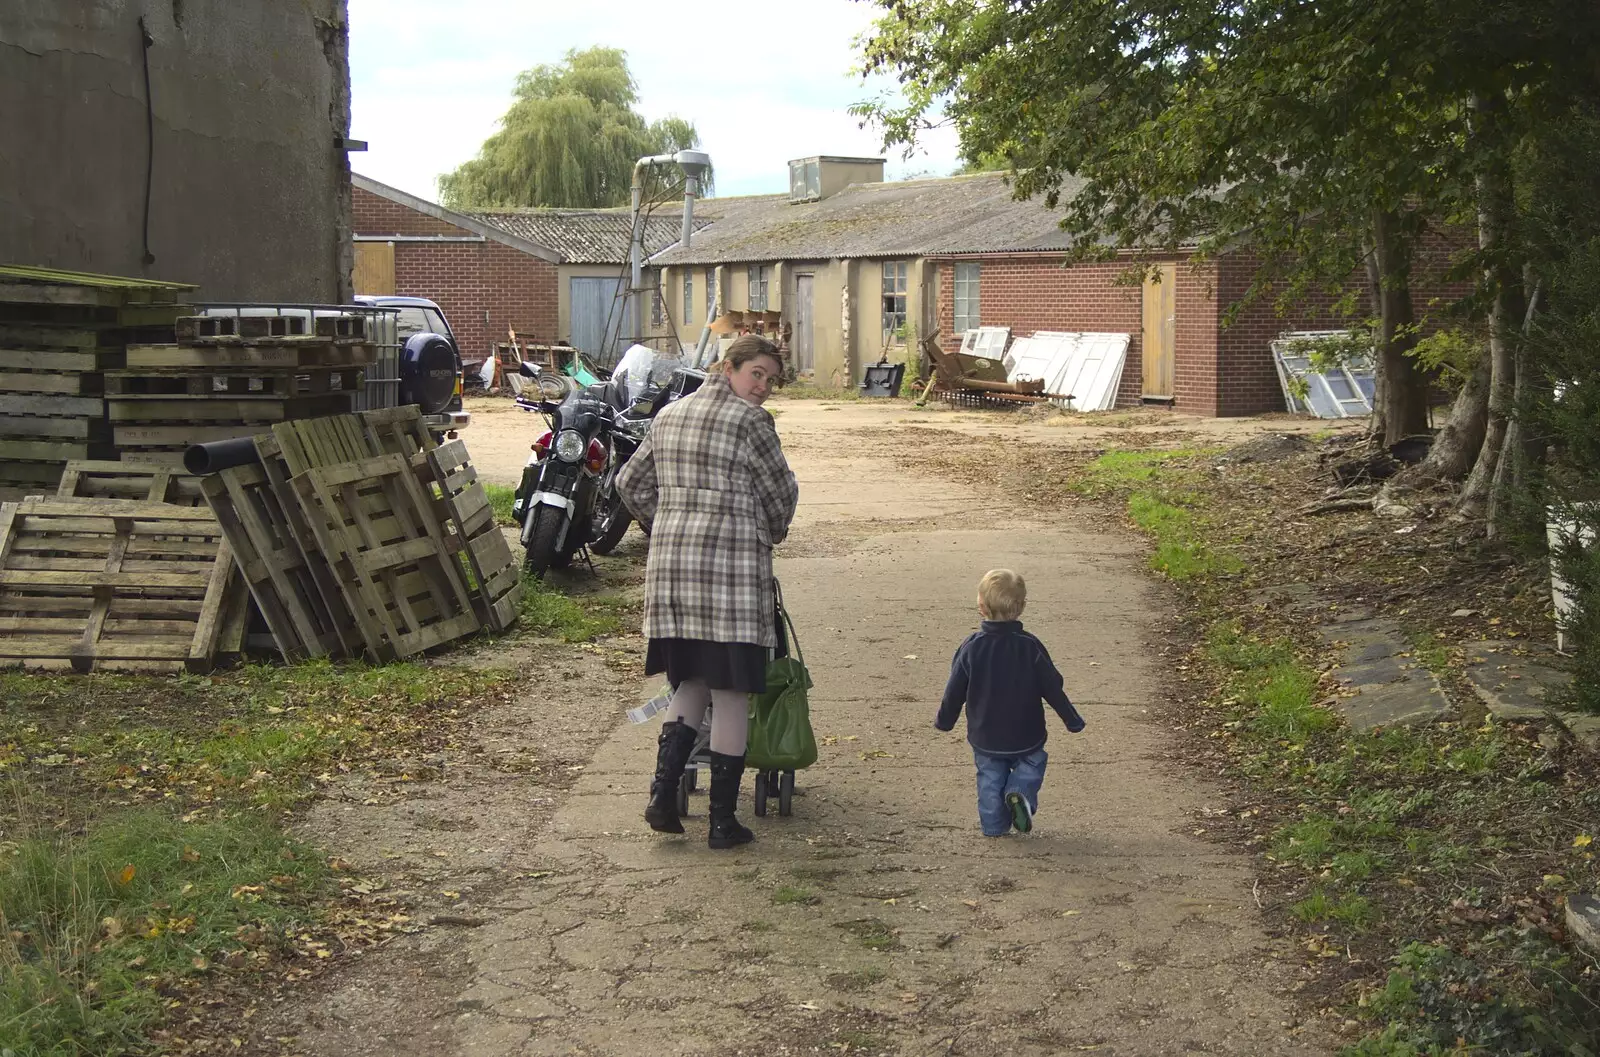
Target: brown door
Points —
{"points": [[374, 268], [1160, 331], [804, 340]]}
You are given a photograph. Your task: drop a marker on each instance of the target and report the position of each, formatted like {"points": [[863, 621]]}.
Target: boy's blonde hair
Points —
{"points": [[1003, 594]]}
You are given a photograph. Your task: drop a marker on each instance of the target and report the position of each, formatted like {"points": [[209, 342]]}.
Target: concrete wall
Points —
{"points": [[249, 195], [483, 286]]}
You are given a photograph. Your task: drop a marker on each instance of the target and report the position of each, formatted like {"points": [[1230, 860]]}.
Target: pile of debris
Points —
{"points": [[1075, 371], [346, 536]]}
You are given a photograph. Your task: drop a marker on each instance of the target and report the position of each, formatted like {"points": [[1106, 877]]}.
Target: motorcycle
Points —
{"points": [[555, 502], [644, 382]]}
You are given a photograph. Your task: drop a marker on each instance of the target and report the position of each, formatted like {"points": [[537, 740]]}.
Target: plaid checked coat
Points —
{"points": [[713, 487]]}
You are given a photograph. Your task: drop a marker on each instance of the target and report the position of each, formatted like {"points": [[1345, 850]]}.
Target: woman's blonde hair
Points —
{"points": [[745, 348], [1003, 594]]}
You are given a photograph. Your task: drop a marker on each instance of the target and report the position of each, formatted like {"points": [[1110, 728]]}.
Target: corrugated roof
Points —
{"points": [[912, 218], [591, 236]]}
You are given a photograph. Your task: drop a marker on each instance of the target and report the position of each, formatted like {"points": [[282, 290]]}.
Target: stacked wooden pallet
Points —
{"points": [[358, 536], [124, 569], [233, 376], [60, 332]]}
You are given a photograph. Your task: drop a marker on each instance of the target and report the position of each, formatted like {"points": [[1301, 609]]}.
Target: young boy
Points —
{"points": [[1001, 673]]}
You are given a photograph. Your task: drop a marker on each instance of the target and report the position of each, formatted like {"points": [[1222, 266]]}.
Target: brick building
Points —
{"points": [[552, 274], [858, 270], [485, 279]]}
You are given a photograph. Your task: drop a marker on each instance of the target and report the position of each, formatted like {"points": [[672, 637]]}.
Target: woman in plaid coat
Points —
{"points": [[714, 491]]}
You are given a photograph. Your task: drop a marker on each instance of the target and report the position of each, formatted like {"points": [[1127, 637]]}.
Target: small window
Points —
{"points": [[894, 302], [966, 316], [711, 294], [657, 305], [688, 296], [758, 287]]}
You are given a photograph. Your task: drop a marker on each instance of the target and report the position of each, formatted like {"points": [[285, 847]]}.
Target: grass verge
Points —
{"points": [[143, 867], [548, 611], [102, 932]]}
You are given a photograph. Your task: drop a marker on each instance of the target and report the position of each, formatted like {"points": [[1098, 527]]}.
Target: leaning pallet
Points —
{"points": [[496, 576], [401, 580], [92, 584], [288, 577], [447, 477]]}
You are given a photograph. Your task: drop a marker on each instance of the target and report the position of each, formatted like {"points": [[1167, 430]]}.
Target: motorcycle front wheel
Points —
{"points": [[609, 524], [541, 553]]}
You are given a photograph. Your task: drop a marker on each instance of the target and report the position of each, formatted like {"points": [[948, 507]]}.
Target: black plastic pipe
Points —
{"points": [[202, 459]]}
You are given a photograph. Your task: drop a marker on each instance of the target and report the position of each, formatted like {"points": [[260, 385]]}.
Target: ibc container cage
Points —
{"points": [[381, 387]]}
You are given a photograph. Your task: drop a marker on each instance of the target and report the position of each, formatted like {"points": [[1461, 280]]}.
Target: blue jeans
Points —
{"points": [[999, 775]]}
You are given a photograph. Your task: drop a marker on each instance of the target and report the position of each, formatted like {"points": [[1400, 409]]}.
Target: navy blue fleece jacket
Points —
{"points": [[1002, 674]]}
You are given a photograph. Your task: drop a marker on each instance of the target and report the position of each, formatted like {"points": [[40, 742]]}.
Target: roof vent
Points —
{"points": [[813, 179]]}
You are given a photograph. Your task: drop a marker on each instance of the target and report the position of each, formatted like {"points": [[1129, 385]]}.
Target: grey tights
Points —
{"points": [[730, 718]]}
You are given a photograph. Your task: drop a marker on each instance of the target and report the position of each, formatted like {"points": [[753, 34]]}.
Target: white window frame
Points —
{"points": [[756, 297], [966, 301], [688, 296], [896, 277]]}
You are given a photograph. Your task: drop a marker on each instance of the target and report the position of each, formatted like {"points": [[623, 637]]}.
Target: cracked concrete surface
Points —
{"points": [[875, 919]]}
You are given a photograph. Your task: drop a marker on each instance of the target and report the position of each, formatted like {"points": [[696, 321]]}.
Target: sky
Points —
{"points": [[762, 81]]}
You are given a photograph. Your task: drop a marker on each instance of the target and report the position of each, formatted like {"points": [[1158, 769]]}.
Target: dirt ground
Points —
{"points": [[875, 919]]}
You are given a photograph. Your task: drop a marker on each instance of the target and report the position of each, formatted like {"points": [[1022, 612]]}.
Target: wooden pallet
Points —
{"points": [[261, 356], [446, 476], [496, 577], [213, 385], [151, 482], [289, 579], [400, 578], [228, 408], [103, 583]]}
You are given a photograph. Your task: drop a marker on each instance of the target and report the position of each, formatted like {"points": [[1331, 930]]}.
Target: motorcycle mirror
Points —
{"points": [[528, 370]]}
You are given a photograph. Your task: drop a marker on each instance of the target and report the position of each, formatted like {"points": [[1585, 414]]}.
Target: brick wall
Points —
{"points": [[1220, 369], [1245, 345], [1039, 293], [483, 287], [377, 215]]}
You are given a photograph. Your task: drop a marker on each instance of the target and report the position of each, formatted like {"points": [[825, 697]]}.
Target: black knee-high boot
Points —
{"points": [[726, 774], [672, 754]]}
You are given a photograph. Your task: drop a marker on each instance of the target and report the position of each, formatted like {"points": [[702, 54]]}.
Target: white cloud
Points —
{"points": [[762, 81]]}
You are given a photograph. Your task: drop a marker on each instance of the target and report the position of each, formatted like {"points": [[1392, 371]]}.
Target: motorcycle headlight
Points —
{"points": [[569, 446]]}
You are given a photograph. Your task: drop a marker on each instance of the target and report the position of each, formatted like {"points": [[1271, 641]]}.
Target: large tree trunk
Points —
{"points": [[1457, 445], [1495, 210], [1402, 398]]}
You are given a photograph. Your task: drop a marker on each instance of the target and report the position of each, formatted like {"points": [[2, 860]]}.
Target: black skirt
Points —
{"points": [[740, 666]]}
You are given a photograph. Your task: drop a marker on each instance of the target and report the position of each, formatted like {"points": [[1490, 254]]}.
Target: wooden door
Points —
{"points": [[804, 339], [374, 268], [1160, 332]]}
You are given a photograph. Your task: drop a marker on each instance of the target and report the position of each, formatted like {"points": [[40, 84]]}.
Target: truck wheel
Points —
{"points": [[541, 552]]}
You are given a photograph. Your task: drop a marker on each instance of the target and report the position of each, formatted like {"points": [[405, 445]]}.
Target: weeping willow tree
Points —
{"points": [[570, 139]]}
